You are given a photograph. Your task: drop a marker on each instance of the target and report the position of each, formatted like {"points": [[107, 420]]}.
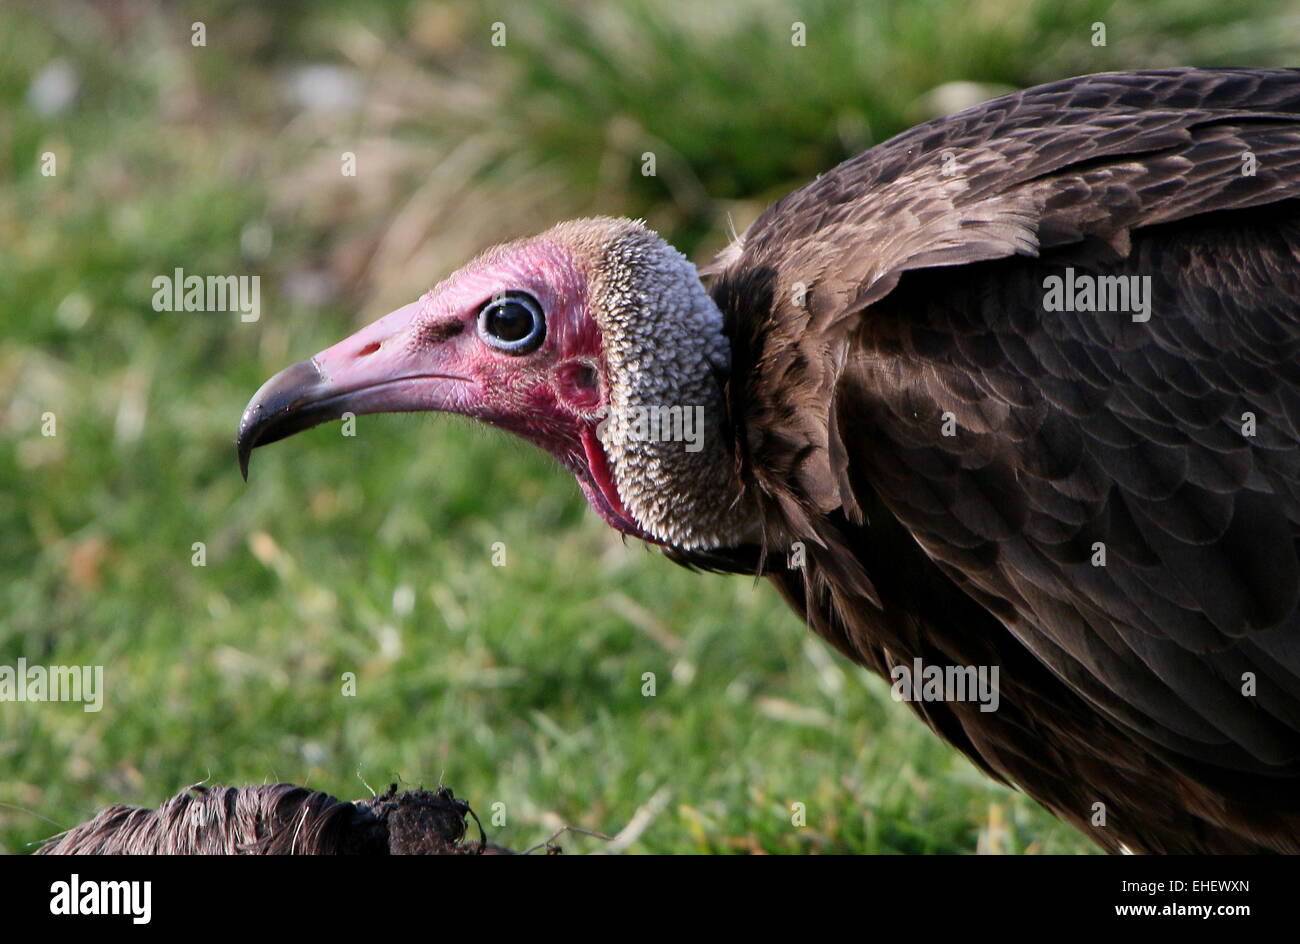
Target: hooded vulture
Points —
{"points": [[1017, 389]]}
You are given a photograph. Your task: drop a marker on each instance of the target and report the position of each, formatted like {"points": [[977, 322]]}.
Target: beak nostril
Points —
{"points": [[368, 349]]}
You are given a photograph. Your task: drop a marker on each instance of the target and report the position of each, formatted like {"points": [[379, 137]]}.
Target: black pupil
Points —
{"points": [[510, 321]]}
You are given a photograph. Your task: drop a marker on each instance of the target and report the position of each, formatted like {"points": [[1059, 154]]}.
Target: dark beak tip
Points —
{"points": [[293, 400], [247, 438]]}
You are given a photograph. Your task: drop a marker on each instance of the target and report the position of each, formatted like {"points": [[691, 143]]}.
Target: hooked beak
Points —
{"points": [[377, 370]]}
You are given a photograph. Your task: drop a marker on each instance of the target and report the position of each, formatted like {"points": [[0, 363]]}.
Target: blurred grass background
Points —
{"points": [[518, 685]]}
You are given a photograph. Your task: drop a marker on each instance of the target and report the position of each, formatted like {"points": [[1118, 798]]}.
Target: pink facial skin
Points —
{"points": [[429, 355]]}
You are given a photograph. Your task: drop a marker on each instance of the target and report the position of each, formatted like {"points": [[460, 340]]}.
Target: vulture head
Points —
{"points": [[595, 341]]}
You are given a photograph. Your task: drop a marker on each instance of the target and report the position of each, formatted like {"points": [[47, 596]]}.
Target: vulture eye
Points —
{"points": [[513, 323]]}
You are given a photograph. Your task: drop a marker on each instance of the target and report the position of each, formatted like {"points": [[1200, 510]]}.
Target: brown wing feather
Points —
{"points": [[1121, 684]]}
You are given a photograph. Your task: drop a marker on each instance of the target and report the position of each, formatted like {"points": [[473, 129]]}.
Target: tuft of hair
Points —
{"points": [[279, 819]]}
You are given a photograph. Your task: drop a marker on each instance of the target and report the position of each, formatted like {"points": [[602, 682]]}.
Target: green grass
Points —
{"points": [[520, 685]]}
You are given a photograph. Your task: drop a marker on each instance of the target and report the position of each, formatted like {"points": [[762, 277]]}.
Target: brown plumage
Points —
{"points": [[950, 451], [1121, 684]]}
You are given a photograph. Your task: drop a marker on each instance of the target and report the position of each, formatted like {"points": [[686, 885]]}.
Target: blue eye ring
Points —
{"points": [[512, 322]]}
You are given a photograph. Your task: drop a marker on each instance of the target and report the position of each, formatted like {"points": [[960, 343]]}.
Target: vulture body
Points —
{"points": [[1102, 504]]}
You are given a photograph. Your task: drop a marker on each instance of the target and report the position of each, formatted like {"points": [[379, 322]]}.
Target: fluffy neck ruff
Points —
{"points": [[665, 359]]}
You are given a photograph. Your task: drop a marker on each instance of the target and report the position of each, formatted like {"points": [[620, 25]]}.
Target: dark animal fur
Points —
{"points": [[278, 819]]}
